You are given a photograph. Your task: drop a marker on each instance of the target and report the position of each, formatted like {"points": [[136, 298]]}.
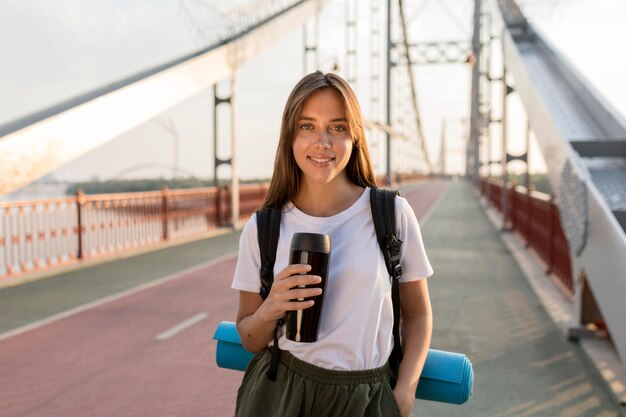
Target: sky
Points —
{"points": [[63, 48]]}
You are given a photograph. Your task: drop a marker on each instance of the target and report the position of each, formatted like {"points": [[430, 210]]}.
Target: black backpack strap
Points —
{"points": [[383, 208], [268, 231]]}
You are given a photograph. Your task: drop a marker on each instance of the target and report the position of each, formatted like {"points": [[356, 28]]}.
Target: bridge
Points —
{"points": [[491, 242]]}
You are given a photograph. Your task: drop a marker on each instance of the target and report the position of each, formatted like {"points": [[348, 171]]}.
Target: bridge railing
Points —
{"points": [[42, 234], [535, 217]]}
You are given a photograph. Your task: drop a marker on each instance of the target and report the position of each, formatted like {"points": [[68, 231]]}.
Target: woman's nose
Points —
{"points": [[323, 141]]}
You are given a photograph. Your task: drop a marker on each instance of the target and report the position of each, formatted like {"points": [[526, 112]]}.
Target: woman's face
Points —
{"points": [[322, 146]]}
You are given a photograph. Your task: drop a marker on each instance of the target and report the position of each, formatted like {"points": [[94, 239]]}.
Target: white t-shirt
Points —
{"points": [[356, 324]]}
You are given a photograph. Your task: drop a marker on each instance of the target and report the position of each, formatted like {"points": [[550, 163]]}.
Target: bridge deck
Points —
{"points": [[133, 355]]}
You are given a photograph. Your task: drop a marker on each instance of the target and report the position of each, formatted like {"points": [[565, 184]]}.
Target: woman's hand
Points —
{"points": [[288, 292], [405, 400], [256, 318]]}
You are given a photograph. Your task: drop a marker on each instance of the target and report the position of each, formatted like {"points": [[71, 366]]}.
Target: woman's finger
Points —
{"points": [[294, 294], [293, 269], [299, 305], [300, 280]]}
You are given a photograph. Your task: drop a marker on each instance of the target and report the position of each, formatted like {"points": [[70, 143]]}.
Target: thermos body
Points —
{"points": [[311, 249]]}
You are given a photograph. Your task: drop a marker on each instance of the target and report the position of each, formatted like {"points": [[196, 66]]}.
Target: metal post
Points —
{"points": [[388, 93], [305, 51], [505, 177], [527, 183], [473, 154], [215, 159], [233, 139], [553, 219], [488, 146], [375, 80], [348, 38], [316, 26], [310, 49], [351, 41], [80, 202], [488, 87], [164, 213], [214, 135], [234, 182], [527, 178], [443, 147]]}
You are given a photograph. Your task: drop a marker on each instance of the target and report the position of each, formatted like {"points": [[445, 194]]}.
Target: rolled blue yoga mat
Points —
{"points": [[447, 377]]}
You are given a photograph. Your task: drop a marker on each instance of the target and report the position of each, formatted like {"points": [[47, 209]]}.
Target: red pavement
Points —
{"points": [[422, 197], [106, 361]]}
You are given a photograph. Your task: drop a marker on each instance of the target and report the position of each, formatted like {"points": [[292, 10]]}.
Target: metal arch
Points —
{"points": [[217, 44], [37, 144], [563, 110]]}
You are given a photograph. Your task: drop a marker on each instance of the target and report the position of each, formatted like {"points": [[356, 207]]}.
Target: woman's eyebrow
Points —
{"points": [[341, 119]]}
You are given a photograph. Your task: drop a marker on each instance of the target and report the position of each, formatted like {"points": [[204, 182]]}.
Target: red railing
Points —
{"points": [[535, 216], [42, 234]]}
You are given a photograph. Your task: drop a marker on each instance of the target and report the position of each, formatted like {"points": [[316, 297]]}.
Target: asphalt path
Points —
{"points": [[136, 340]]}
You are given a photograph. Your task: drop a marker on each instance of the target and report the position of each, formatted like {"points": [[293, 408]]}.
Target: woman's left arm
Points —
{"points": [[417, 325]]}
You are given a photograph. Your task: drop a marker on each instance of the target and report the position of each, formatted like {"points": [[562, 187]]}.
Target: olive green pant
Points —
{"points": [[305, 390]]}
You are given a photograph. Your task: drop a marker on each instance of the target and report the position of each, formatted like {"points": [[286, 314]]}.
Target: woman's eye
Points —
{"points": [[306, 126], [339, 128]]}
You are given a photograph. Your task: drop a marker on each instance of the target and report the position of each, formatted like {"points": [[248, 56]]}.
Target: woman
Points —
{"points": [[322, 178]]}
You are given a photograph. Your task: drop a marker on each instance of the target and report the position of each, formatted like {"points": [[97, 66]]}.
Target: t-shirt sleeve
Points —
{"points": [[415, 264], [248, 262]]}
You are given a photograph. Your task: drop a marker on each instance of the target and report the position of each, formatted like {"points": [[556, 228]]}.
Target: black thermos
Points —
{"points": [[312, 249]]}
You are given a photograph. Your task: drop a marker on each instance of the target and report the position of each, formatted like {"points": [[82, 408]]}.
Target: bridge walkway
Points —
{"points": [[149, 351]]}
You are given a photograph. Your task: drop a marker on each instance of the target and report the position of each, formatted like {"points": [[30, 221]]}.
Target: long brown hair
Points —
{"points": [[285, 182]]}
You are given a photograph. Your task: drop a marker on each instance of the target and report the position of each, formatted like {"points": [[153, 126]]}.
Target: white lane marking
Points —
{"points": [[114, 297], [181, 326]]}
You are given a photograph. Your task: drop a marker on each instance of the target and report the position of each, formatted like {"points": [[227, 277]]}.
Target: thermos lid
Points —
{"points": [[311, 242]]}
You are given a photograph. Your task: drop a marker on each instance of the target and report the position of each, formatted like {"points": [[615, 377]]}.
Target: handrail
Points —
{"points": [[535, 216], [42, 234]]}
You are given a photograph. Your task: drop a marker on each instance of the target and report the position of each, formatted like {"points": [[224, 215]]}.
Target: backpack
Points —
{"points": [[382, 204]]}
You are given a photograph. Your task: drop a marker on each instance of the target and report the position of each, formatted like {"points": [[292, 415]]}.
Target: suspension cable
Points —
{"points": [[418, 120]]}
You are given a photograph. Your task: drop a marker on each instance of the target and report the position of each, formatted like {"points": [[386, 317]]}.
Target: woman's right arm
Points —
{"points": [[256, 319]]}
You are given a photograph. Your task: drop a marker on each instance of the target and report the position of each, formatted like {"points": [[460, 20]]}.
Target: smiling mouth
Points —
{"points": [[320, 160]]}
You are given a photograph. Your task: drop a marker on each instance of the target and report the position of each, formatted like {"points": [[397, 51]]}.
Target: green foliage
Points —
{"points": [[148, 184]]}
